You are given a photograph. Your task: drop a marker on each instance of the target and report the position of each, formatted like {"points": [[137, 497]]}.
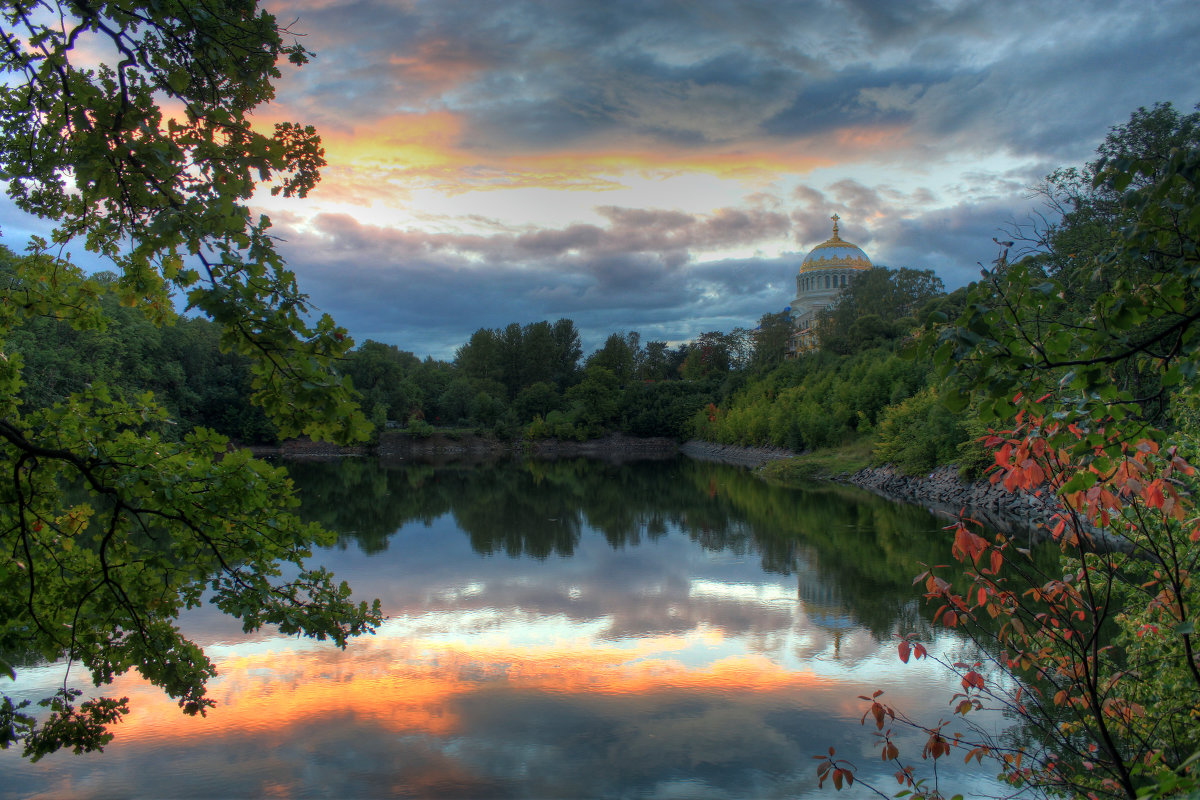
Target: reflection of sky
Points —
{"points": [[661, 670]]}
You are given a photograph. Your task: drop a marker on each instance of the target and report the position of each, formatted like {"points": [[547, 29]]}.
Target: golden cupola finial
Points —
{"points": [[836, 253]]}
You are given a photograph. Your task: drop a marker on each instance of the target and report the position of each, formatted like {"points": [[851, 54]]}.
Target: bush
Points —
{"points": [[419, 427], [919, 434]]}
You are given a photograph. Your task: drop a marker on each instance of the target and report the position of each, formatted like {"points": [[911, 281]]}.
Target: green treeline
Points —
{"points": [[181, 362], [532, 380], [735, 387]]}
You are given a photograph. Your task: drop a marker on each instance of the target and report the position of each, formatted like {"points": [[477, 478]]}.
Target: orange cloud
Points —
{"points": [[389, 157]]}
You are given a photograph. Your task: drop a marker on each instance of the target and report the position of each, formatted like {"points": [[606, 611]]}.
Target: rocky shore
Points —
{"points": [[944, 493], [732, 454]]}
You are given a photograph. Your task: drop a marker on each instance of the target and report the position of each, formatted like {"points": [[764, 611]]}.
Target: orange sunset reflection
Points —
{"points": [[412, 687]]}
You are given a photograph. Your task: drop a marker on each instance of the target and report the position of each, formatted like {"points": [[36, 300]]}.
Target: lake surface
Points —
{"points": [[562, 629]]}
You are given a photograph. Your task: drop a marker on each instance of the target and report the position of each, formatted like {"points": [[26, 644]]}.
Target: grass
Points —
{"points": [[820, 464]]}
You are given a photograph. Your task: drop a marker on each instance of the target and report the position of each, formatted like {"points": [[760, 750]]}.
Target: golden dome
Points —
{"points": [[834, 253]]}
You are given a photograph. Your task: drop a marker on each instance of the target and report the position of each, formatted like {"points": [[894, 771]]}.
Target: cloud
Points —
{"points": [[526, 76], [428, 291]]}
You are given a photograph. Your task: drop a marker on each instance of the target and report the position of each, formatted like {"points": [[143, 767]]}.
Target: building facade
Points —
{"points": [[825, 271]]}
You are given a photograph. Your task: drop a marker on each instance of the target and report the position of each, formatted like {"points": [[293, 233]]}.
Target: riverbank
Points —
{"points": [[941, 491], [471, 447], [733, 454]]}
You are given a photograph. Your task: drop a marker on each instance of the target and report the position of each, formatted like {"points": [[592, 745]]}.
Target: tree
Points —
{"points": [[656, 362], [596, 399], [878, 306], [618, 356], [714, 354], [770, 341], [1098, 660], [568, 349], [479, 358], [380, 374], [539, 354], [1090, 215], [98, 574]]}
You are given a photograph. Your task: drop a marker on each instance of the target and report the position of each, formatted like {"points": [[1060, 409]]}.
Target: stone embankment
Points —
{"points": [[440, 447], [732, 454], [1018, 514], [615, 448], [944, 493]]}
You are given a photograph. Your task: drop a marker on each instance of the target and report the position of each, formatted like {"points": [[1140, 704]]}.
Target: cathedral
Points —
{"points": [[828, 268]]}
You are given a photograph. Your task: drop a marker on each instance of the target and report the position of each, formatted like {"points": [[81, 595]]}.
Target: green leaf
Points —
{"points": [[956, 400]]}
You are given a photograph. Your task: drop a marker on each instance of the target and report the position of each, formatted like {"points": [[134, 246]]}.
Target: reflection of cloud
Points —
{"points": [[396, 715], [414, 686]]}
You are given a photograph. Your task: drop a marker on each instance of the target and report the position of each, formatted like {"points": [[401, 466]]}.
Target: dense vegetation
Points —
{"points": [[1080, 359], [529, 380]]}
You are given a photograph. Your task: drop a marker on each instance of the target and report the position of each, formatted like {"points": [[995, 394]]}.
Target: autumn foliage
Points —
{"points": [[1095, 659]]}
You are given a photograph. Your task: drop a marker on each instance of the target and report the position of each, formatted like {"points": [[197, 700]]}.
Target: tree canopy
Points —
{"points": [[109, 529], [877, 307], [1097, 657]]}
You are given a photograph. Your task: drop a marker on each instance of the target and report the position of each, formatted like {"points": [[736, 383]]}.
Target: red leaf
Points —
{"points": [[904, 651]]}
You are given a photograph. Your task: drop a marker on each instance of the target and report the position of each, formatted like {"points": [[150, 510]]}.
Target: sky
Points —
{"points": [[665, 166]]}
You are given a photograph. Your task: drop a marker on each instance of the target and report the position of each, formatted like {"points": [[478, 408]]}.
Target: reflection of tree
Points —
{"points": [[510, 511], [868, 548], [853, 555], [366, 502]]}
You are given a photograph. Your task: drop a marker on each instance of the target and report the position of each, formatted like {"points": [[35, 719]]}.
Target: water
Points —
{"points": [[555, 630]]}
